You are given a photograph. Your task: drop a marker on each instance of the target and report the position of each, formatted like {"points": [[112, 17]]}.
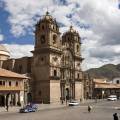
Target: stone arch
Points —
{"points": [[2, 100]]}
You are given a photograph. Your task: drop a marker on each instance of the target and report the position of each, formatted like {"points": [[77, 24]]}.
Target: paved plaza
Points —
{"points": [[101, 111]]}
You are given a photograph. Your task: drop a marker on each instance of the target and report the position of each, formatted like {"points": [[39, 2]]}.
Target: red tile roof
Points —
{"points": [[99, 80], [10, 74], [107, 85]]}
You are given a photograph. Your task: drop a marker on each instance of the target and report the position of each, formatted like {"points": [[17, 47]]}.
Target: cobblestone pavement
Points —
{"points": [[46, 106], [101, 111]]}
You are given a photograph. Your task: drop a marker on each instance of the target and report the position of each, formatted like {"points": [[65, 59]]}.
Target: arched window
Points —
{"points": [[43, 27], [9, 83], [17, 83], [54, 39], [42, 39], [55, 72], [118, 82]]}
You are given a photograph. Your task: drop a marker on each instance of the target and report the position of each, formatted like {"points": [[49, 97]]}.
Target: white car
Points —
{"points": [[112, 98], [73, 103]]}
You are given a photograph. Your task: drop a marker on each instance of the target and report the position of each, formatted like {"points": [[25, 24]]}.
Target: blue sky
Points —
{"points": [[95, 20], [8, 36]]}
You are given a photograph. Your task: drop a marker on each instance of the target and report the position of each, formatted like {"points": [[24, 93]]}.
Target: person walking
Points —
{"points": [[7, 107], [115, 116], [89, 108]]}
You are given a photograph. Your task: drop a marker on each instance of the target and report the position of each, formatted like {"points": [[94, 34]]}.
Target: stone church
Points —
{"points": [[55, 67]]}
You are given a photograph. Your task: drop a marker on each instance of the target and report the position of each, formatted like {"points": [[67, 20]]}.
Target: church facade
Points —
{"points": [[55, 68]]}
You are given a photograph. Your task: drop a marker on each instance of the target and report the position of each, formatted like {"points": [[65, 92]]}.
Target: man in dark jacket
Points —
{"points": [[89, 108], [115, 116]]}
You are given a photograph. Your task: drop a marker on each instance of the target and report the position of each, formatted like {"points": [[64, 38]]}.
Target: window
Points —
{"points": [[54, 39], [78, 75], [0, 82], [77, 48], [55, 72], [68, 38], [16, 83], [117, 81], [42, 59], [42, 39], [9, 83], [4, 83], [43, 27], [39, 93]]}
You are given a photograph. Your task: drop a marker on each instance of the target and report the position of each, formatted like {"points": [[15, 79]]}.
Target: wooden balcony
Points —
{"points": [[12, 88]]}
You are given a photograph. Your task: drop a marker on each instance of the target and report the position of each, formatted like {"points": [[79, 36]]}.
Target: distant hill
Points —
{"points": [[108, 71]]}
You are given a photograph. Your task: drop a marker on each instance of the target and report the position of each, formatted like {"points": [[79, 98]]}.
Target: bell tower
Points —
{"points": [[46, 59], [71, 74], [47, 33]]}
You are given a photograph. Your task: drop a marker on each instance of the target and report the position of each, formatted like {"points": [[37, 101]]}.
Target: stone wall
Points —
{"points": [[55, 91], [78, 90]]}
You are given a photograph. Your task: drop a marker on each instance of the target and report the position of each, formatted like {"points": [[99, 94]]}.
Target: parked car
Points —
{"points": [[73, 103], [29, 108], [112, 98]]}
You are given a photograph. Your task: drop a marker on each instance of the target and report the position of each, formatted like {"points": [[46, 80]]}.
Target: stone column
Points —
{"points": [[16, 98], [5, 100]]}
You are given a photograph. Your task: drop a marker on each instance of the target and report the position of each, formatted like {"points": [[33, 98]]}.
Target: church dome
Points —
{"points": [[47, 17], [4, 51], [71, 31]]}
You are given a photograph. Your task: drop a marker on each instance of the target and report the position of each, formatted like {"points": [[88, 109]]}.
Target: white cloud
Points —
{"points": [[1, 36], [96, 21], [17, 51]]}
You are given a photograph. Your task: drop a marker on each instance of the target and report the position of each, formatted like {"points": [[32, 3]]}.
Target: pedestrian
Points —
{"points": [[89, 108], [115, 116], [11, 103], [96, 99], [7, 107]]}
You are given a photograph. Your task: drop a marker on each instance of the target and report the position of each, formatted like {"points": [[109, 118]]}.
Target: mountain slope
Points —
{"points": [[108, 71]]}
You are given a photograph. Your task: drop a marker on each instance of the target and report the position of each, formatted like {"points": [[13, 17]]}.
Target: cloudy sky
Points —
{"points": [[97, 21]]}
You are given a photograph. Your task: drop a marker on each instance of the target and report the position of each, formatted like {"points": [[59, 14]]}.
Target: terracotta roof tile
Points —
{"points": [[106, 85], [10, 74], [99, 80]]}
